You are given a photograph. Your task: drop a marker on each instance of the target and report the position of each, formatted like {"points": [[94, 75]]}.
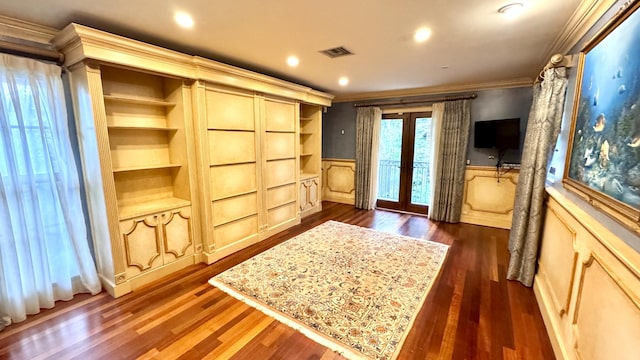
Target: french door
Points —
{"points": [[404, 179]]}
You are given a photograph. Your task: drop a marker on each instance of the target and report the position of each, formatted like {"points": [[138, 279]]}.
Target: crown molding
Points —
{"points": [[80, 43], [582, 20], [434, 90], [24, 30], [220, 73]]}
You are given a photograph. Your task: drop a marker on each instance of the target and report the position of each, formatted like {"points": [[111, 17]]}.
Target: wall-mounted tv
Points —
{"points": [[497, 134]]}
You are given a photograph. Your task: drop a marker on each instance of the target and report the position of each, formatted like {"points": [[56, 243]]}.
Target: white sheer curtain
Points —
{"points": [[436, 128], [44, 252]]}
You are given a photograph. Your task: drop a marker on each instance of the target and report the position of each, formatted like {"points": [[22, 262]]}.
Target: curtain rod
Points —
{"points": [[31, 51], [421, 101], [557, 60]]}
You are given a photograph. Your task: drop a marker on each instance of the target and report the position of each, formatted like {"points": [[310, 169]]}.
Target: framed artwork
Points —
{"points": [[603, 160]]}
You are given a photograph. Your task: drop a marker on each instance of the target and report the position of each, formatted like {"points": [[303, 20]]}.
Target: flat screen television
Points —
{"points": [[497, 134]]}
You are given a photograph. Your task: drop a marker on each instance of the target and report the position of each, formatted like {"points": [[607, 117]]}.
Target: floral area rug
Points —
{"points": [[355, 290]]}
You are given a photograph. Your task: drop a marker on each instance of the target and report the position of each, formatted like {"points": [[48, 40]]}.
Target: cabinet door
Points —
{"points": [[177, 238], [313, 192], [141, 246], [304, 202]]}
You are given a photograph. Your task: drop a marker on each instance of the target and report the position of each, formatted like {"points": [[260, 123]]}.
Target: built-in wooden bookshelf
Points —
{"points": [[280, 164], [248, 156], [310, 158], [184, 159], [145, 120], [137, 138]]}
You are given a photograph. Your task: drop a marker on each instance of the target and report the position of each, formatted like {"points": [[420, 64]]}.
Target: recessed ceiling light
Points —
{"points": [[422, 34], [511, 10], [293, 61], [184, 20], [343, 81]]}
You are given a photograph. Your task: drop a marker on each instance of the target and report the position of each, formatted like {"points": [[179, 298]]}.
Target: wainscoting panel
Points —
{"points": [[338, 180], [587, 286], [606, 324], [488, 197], [561, 257]]}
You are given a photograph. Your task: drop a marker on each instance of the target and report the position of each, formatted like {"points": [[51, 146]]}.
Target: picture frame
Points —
{"points": [[603, 157]]}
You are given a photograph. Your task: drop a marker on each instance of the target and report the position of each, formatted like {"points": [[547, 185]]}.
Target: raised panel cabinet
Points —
{"points": [[247, 146], [140, 240], [309, 196], [176, 235], [137, 136], [155, 240], [310, 159]]}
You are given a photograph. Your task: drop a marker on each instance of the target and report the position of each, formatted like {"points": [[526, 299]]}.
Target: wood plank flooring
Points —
{"points": [[472, 312]]}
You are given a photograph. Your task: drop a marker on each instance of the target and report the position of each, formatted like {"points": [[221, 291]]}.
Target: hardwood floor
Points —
{"points": [[472, 312]]}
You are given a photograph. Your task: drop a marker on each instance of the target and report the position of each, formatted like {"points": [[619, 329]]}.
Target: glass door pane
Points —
{"points": [[420, 182], [389, 159]]}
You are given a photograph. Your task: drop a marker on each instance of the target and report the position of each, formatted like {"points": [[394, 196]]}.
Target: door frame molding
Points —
{"points": [[406, 164]]}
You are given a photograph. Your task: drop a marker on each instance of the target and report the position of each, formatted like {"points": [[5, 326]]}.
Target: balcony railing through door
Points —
{"points": [[389, 181], [404, 162]]}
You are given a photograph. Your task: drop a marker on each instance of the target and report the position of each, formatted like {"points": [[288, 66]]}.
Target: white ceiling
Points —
{"points": [[469, 36]]}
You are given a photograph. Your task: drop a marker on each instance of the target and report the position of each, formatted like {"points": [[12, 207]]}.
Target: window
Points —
{"points": [[44, 254]]}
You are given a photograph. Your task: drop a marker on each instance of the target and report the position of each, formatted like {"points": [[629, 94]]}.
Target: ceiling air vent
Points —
{"points": [[336, 52]]}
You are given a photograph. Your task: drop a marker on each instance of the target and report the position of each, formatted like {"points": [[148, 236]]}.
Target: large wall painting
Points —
{"points": [[603, 162]]}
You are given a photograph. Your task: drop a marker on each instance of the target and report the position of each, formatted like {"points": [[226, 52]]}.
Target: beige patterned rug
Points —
{"points": [[355, 290]]}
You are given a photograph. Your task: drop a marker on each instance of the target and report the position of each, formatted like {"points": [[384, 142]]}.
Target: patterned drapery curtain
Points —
{"points": [[448, 177], [367, 139], [543, 128]]}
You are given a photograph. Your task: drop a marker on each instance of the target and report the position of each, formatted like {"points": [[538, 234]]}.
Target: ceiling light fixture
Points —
{"points": [[343, 81], [184, 20], [293, 61], [422, 34], [511, 10]]}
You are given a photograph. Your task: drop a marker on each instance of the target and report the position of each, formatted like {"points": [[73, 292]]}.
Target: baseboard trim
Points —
{"points": [[546, 306], [339, 199], [486, 221]]}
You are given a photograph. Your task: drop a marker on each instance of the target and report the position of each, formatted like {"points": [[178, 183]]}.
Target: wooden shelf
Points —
{"points": [[151, 207], [306, 118], [146, 167], [138, 100], [305, 176], [306, 133], [150, 128], [234, 195], [306, 154], [281, 158], [281, 131]]}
